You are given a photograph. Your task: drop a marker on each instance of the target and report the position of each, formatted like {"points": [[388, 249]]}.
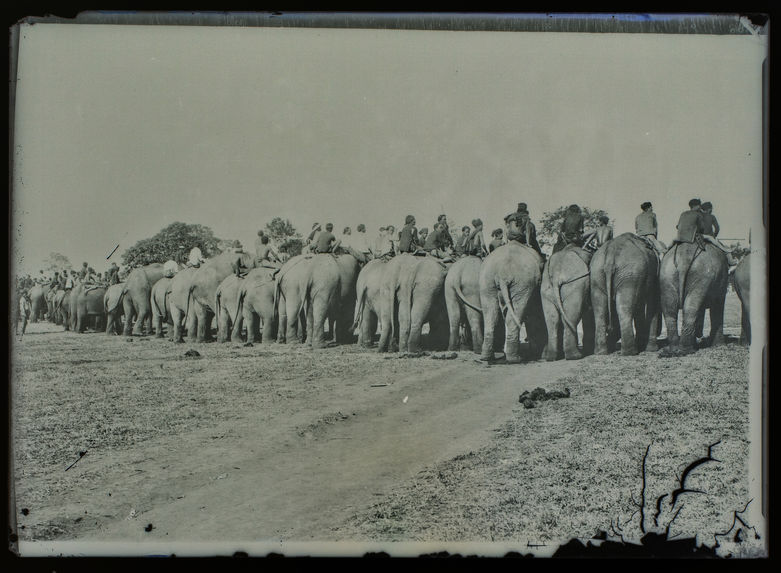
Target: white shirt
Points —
{"points": [[196, 257], [170, 268]]}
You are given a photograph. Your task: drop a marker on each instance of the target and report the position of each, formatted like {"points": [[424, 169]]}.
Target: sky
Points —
{"points": [[122, 130]]}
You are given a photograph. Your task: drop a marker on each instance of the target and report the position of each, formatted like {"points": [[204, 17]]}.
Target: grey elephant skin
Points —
{"points": [[413, 295], [247, 301], [112, 304], [158, 301], [136, 298], [62, 308], [510, 285], [625, 295], [368, 289], [87, 304], [692, 280], [330, 295], [38, 300], [291, 284], [566, 301], [462, 298], [741, 282], [193, 294]]}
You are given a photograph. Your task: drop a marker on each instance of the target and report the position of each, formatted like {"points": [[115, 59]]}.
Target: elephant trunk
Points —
{"points": [[609, 271]]}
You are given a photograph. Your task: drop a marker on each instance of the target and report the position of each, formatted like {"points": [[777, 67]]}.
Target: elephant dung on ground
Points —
{"points": [[625, 295], [741, 282], [566, 301], [89, 304], [413, 294], [368, 288], [112, 303], [203, 290], [462, 298], [136, 299], [510, 286], [692, 279]]}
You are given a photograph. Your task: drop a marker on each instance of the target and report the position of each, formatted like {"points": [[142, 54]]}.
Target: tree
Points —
{"points": [[283, 233], [56, 262], [173, 242], [550, 223]]}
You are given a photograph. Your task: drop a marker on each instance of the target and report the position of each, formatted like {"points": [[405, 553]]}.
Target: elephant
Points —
{"points": [[88, 304], [51, 292], [38, 299], [158, 301], [178, 297], [625, 295], [412, 294], [462, 298], [566, 301], [692, 279], [137, 296], [741, 281], [193, 294], [112, 303], [62, 307], [367, 308], [290, 296], [247, 301], [509, 283], [330, 295]]}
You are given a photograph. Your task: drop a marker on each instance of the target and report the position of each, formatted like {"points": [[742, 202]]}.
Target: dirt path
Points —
{"points": [[294, 474]]}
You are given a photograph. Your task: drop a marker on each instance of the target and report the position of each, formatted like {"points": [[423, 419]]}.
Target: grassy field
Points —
{"points": [[569, 467]]}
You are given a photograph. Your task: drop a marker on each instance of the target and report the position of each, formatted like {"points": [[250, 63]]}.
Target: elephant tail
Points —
{"points": [[187, 306], [560, 303], [609, 272], [508, 302], [462, 298], [239, 303], [155, 307], [359, 308]]}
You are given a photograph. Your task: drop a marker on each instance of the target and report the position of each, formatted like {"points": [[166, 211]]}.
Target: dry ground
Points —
{"points": [[282, 444]]}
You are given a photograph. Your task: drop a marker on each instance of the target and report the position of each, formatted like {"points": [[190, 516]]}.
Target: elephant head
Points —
{"points": [[510, 286], [625, 295], [691, 280]]}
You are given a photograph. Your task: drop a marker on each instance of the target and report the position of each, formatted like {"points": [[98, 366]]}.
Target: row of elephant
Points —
{"points": [[617, 293]]}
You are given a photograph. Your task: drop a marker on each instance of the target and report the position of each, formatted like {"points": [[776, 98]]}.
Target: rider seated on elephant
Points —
{"points": [[712, 231], [521, 229], [326, 241], [436, 245], [647, 228], [459, 248], [113, 274], [408, 236], [572, 226], [446, 236], [423, 235], [691, 228], [476, 243], [266, 256], [195, 258], [170, 268], [311, 240], [497, 240], [598, 237]]}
